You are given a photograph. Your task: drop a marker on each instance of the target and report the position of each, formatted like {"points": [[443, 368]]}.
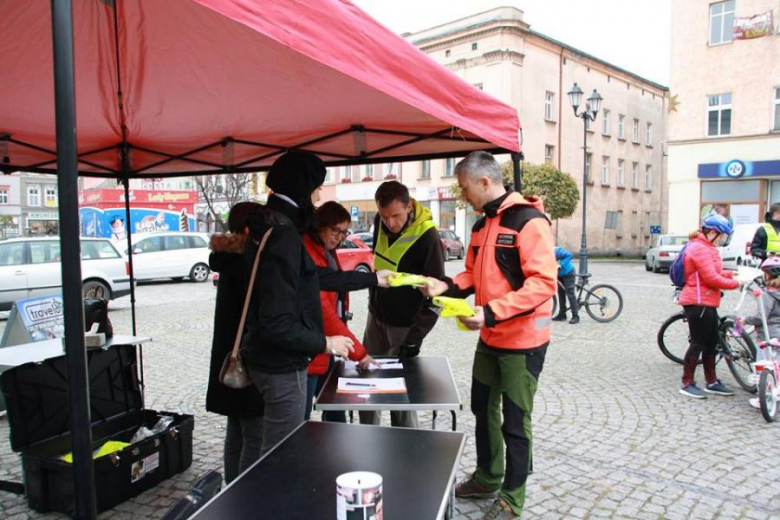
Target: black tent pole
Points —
{"points": [[128, 227], [67, 183], [517, 158]]}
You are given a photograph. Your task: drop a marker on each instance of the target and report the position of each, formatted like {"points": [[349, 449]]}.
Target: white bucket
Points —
{"points": [[359, 496]]}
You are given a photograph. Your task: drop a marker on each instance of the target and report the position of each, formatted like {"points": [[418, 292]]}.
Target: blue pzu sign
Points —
{"points": [[655, 230], [354, 212]]}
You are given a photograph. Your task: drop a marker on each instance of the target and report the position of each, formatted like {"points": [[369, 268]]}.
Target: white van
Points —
{"points": [[735, 250], [171, 254]]}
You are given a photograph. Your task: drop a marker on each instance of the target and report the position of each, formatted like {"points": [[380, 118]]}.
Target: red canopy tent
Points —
{"points": [[181, 87]]}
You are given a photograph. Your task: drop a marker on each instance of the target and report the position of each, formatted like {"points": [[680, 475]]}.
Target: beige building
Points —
{"points": [[498, 52], [724, 132]]}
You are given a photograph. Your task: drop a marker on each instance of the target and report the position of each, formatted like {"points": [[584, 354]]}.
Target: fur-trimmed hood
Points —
{"points": [[226, 250]]}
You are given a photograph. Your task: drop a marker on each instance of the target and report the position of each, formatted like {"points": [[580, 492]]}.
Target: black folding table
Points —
{"points": [[429, 384], [297, 479]]}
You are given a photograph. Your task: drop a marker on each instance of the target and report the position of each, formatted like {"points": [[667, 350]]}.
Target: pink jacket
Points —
{"points": [[704, 275]]}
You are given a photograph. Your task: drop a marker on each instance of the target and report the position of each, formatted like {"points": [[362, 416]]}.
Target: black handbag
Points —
{"points": [[96, 311]]}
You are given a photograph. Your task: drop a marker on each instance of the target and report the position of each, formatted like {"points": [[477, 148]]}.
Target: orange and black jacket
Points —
{"points": [[511, 270]]}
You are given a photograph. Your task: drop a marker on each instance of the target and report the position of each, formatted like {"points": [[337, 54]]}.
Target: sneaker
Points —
{"points": [[694, 391], [755, 403], [472, 489], [574, 320], [500, 510], [718, 388], [560, 317]]}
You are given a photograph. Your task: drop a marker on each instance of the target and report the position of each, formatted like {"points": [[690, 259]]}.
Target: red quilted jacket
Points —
{"points": [[331, 323], [704, 275]]}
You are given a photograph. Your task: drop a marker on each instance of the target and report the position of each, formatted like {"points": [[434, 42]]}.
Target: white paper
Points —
{"points": [[357, 385], [383, 364]]}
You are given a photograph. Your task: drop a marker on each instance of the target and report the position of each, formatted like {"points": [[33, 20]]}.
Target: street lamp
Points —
{"points": [[592, 107]]}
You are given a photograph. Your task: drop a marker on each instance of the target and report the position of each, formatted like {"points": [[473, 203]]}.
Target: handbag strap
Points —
{"points": [[237, 344]]}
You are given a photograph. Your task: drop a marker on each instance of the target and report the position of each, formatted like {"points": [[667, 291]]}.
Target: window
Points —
{"points": [[587, 166], [392, 170], [649, 177], [44, 252], [196, 242], [447, 53], [588, 124], [611, 220], [150, 245], [605, 129], [635, 135], [621, 176], [449, 167], [479, 86], [635, 176], [634, 224], [646, 226], [549, 151], [175, 242], [777, 108], [621, 126], [721, 22], [649, 134], [33, 196], [718, 115], [605, 170], [12, 254], [97, 250], [474, 46], [369, 171], [3, 196], [328, 175], [348, 244], [426, 170], [549, 98], [619, 225]]}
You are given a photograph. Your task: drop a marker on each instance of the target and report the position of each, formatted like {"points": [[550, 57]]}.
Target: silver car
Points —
{"points": [[664, 252], [30, 267]]}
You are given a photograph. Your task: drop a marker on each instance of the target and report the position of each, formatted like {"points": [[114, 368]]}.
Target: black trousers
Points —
{"points": [[703, 325], [567, 291]]}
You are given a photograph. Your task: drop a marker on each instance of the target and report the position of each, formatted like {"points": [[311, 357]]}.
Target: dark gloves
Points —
{"points": [[408, 351]]}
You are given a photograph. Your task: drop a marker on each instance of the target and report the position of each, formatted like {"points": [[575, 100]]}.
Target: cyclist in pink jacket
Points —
{"points": [[700, 298]]}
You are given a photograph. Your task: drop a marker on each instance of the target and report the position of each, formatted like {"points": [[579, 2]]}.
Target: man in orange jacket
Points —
{"points": [[511, 270]]}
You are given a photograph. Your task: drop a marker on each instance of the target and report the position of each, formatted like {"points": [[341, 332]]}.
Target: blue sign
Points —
{"points": [[655, 230], [354, 211], [737, 169], [34, 319]]}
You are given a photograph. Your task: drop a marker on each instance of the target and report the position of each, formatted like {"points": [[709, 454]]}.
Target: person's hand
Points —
{"points": [[366, 362], [383, 278], [339, 346], [435, 287], [475, 322], [408, 351]]}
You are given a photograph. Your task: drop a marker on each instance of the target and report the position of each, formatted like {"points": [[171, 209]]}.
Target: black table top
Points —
{"points": [[297, 479], [429, 385]]}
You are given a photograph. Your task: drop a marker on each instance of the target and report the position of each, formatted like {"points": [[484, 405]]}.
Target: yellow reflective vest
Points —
{"points": [[772, 239], [389, 256]]}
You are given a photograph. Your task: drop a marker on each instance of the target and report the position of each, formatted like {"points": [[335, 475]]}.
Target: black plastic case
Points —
{"points": [[36, 396]]}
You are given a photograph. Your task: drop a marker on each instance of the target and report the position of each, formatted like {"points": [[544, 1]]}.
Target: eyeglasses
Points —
{"points": [[336, 232]]}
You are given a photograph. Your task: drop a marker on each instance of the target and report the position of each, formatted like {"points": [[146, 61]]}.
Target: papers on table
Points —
{"points": [[357, 385], [384, 364]]}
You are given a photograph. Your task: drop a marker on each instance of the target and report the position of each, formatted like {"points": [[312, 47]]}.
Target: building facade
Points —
{"points": [[39, 204], [498, 52], [724, 127], [10, 205]]}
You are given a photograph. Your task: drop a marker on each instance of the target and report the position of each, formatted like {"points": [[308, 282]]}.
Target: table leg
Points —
{"points": [[454, 420], [450, 514], [351, 417], [433, 426]]}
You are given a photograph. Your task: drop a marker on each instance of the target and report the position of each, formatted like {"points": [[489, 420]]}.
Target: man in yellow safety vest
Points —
{"points": [[406, 241], [766, 241]]}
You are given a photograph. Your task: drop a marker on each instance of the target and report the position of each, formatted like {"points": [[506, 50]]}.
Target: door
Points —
{"points": [[13, 273], [178, 256], [44, 275], [148, 258]]}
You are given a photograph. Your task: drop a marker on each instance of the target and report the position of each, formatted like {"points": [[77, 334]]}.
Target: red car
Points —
{"points": [[353, 255], [451, 245]]}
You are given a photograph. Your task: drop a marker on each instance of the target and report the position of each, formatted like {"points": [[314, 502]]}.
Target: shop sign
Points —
{"points": [[748, 27], [738, 169], [34, 319], [42, 215]]}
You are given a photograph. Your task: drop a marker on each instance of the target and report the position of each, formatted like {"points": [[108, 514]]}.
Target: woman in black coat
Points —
{"points": [[243, 408]]}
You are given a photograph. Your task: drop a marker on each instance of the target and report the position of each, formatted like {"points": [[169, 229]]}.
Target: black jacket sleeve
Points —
{"points": [[758, 246], [345, 281], [276, 296], [433, 266]]}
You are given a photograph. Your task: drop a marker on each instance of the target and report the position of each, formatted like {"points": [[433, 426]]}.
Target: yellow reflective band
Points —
{"points": [[407, 280], [454, 308], [387, 256], [772, 238]]}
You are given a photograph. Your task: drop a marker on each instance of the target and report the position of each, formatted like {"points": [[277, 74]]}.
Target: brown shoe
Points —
{"points": [[472, 489], [500, 510]]}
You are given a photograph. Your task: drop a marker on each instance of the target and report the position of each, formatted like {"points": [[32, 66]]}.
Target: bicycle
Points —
{"points": [[602, 302], [735, 345]]}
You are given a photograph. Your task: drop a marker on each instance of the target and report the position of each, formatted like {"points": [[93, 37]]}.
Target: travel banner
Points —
{"points": [[746, 28], [34, 319]]}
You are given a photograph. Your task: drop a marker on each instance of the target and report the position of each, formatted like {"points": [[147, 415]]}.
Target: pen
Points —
{"points": [[361, 384]]}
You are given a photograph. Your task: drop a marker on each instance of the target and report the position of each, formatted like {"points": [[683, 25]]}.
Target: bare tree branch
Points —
{"points": [[230, 188]]}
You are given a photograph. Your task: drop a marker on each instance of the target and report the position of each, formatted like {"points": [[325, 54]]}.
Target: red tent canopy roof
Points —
{"points": [[226, 85]]}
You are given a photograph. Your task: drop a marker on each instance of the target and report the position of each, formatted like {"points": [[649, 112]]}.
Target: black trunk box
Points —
{"points": [[36, 396]]}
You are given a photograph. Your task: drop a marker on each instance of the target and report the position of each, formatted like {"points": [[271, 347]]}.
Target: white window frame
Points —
{"points": [[605, 125], [4, 195], [648, 133], [621, 172], [449, 167], [721, 18], [549, 99], [588, 163], [47, 191], [621, 126], [37, 190], [649, 177], [635, 175], [605, 170], [720, 107], [635, 131], [549, 153], [776, 108], [425, 170]]}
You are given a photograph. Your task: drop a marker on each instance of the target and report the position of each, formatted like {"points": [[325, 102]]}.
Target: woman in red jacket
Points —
{"points": [[331, 226], [700, 298]]}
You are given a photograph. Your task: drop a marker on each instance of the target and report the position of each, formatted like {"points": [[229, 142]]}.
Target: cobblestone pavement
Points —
{"points": [[613, 437]]}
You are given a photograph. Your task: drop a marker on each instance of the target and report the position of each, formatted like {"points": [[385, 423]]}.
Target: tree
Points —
{"points": [[228, 189]]}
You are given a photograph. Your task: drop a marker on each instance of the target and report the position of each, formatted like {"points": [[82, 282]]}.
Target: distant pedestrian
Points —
{"points": [[567, 280]]}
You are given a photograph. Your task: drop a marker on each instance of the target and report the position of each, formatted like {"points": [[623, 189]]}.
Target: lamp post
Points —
{"points": [[592, 107]]}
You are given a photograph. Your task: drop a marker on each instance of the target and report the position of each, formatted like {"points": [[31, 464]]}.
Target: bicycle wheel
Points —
{"points": [[603, 302], [555, 306], [766, 394], [674, 338], [742, 354]]}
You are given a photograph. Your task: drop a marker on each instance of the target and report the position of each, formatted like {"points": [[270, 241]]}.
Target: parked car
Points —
{"points": [[365, 237], [451, 244], [355, 255], [664, 252], [30, 267], [176, 255], [735, 249]]}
